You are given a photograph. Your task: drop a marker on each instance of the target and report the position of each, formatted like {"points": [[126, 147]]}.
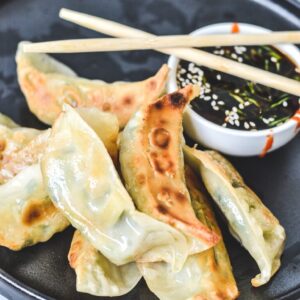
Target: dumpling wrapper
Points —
{"points": [[47, 84], [82, 182], [26, 212], [153, 169], [249, 220], [206, 275], [96, 275]]}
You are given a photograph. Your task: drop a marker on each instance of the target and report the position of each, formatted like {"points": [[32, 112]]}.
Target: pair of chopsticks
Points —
{"points": [[135, 39]]}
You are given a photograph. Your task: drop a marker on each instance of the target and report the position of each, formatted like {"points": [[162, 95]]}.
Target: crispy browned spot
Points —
{"points": [[162, 209], [161, 137], [180, 197], [161, 164], [128, 100], [106, 106], [1, 156], [36, 212], [2, 145], [177, 100], [159, 105], [73, 254], [141, 179], [152, 84]]}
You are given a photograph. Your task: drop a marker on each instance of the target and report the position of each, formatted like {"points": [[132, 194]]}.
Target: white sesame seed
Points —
{"points": [[222, 52], [216, 108], [234, 56], [234, 109], [189, 76], [224, 124], [284, 104], [207, 98], [237, 91], [221, 102], [218, 77], [231, 121], [213, 103], [266, 121], [240, 59], [252, 124], [237, 123], [226, 112], [241, 106], [246, 125], [247, 103], [273, 59], [271, 119], [215, 97]]}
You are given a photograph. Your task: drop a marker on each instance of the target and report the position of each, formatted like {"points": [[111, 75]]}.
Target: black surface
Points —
{"points": [[275, 178]]}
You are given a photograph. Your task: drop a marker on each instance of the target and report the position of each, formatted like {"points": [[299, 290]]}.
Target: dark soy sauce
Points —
{"points": [[236, 103]]}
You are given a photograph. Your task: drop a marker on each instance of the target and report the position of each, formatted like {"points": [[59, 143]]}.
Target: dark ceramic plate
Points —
{"points": [[42, 271]]}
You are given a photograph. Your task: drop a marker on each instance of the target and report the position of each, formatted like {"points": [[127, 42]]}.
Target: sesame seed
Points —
{"points": [[234, 109], [189, 76], [213, 103], [226, 112], [234, 56], [221, 102], [222, 52], [240, 59], [237, 123], [224, 124], [237, 91], [216, 108], [273, 59], [284, 104], [266, 121], [231, 122], [207, 98], [215, 97], [271, 119], [252, 124], [241, 106], [246, 125], [218, 77], [247, 103]]}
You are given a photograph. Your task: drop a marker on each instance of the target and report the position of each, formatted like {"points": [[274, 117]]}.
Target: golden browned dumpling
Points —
{"points": [[47, 84], [152, 165], [206, 275]]}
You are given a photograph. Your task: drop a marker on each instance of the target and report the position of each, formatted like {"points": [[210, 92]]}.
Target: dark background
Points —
{"points": [[275, 178]]}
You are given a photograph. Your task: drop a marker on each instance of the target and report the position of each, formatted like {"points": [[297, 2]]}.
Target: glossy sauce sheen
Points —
{"points": [[236, 103]]}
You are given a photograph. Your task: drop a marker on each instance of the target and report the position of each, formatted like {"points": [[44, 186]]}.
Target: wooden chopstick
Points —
{"points": [[197, 56], [124, 44]]}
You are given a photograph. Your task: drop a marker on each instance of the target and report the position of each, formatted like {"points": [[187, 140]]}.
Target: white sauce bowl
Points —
{"points": [[232, 141]]}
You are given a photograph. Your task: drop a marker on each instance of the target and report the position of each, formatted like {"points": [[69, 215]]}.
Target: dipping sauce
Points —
{"points": [[236, 103]]}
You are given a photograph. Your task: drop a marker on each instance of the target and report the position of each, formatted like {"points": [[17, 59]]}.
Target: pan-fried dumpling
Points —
{"points": [[8, 122], [26, 212], [96, 275], [48, 84], [249, 220], [82, 182], [206, 275], [152, 165]]}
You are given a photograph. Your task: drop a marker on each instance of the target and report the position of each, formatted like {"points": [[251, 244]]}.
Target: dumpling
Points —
{"points": [[152, 165], [48, 84], [26, 212], [28, 150], [206, 275], [96, 275], [82, 182], [249, 220]]}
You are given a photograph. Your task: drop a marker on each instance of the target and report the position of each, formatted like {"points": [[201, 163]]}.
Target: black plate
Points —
{"points": [[42, 271]]}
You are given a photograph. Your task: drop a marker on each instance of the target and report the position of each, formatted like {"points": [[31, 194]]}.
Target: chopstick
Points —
{"points": [[197, 56], [175, 41]]}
